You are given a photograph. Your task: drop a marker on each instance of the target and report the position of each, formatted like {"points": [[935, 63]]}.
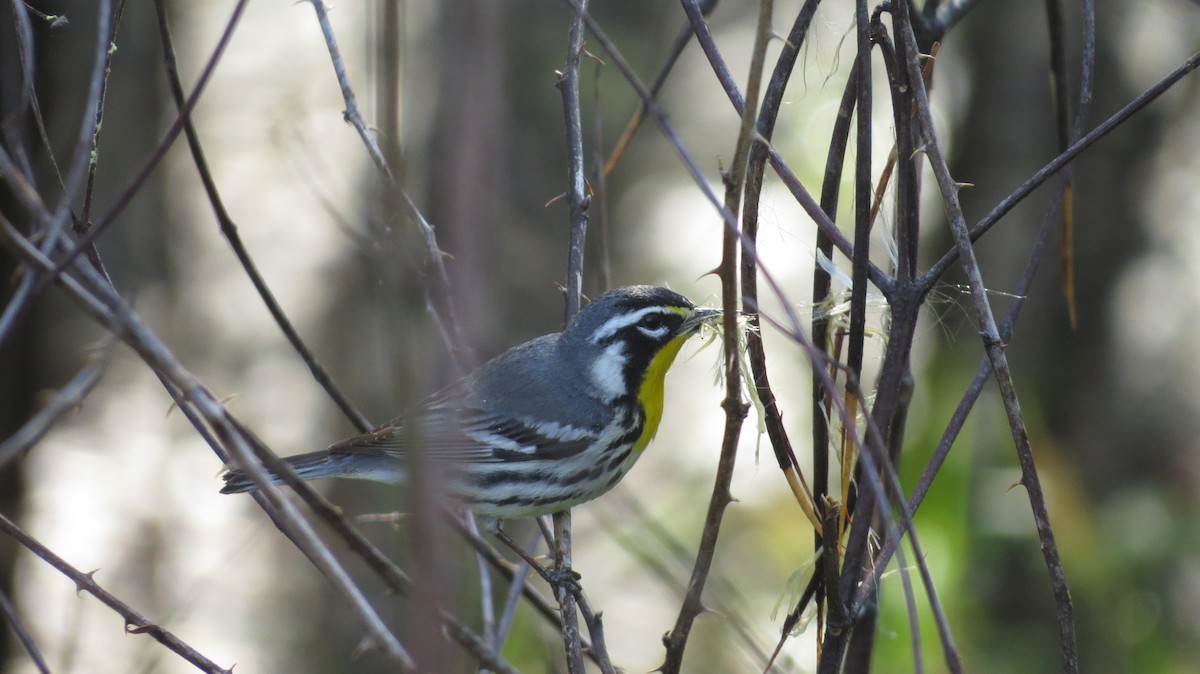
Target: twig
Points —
{"points": [[577, 201], [693, 169], [68, 398], [823, 221], [596, 630], [52, 223], [735, 407], [230, 230], [821, 328], [1066, 132], [391, 574], [995, 349], [673, 53], [351, 113], [1055, 165], [138, 182], [104, 304], [487, 603], [599, 182], [517, 586], [23, 32], [22, 633], [862, 503], [772, 101], [893, 386], [135, 622], [970, 396], [446, 319], [82, 224]]}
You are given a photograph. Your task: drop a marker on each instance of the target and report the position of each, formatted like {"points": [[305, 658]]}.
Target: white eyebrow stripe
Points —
{"points": [[615, 323]]}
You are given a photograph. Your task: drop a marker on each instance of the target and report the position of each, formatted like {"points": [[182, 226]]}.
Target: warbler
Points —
{"points": [[544, 426]]}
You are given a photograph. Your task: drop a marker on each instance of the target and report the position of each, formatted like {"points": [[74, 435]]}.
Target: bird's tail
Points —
{"points": [[320, 464]]}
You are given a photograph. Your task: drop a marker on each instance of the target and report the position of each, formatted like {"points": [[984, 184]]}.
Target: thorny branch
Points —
{"points": [[734, 405], [994, 347], [135, 622], [577, 202]]}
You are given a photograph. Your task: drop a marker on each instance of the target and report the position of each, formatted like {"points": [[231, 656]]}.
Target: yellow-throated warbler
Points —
{"points": [[544, 426]]}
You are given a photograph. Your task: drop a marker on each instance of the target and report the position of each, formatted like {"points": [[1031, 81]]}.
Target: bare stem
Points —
{"points": [[577, 200], [135, 622]]}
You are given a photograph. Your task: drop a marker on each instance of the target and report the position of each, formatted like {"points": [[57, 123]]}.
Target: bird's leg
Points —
{"points": [[567, 577]]}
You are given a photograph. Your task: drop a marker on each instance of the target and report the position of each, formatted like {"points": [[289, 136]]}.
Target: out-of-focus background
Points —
{"points": [[124, 486]]}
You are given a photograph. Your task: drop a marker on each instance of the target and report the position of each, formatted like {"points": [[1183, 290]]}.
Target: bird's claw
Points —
{"points": [[561, 578]]}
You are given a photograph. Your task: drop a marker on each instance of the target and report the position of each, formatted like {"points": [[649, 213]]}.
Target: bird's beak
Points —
{"points": [[699, 317]]}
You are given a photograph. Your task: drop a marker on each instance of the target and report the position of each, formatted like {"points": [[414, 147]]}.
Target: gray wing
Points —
{"points": [[466, 435], [497, 414]]}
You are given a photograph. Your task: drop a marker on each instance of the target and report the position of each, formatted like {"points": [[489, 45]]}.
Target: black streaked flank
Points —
{"points": [[615, 462], [527, 502]]}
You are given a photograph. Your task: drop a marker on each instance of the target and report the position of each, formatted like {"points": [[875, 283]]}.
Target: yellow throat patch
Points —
{"points": [[650, 395]]}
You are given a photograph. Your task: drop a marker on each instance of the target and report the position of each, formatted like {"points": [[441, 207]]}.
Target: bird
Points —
{"points": [[544, 426]]}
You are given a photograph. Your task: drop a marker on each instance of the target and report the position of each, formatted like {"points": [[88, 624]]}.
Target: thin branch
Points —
{"points": [[1055, 165], [1065, 130], [52, 223], [595, 627], [861, 503], [135, 622], [673, 53], [387, 570], [822, 334], [577, 201], [102, 302], [735, 407], [994, 346], [599, 182], [517, 587], [772, 101], [351, 113], [82, 224], [822, 220], [23, 634], [230, 230], [577, 198], [446, 318], [68, 398], [139, 181], [983, 371]]}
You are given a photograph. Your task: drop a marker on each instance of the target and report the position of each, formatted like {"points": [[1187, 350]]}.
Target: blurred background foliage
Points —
{"points": [[463, 94]]}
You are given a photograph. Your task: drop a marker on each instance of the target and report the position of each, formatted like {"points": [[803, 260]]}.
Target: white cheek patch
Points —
{"points": [[608, 371]]}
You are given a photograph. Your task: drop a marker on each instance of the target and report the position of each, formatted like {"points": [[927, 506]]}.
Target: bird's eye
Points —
{"points": [[651, 321]]}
